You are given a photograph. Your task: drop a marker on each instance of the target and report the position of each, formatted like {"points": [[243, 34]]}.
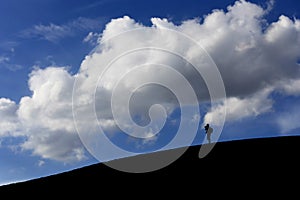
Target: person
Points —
{"points": [[208, 131]]}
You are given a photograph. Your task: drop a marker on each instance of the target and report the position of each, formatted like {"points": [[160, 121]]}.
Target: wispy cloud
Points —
{"points": [[5, 62], [87, 24], [55, 32], [4, 59], [51, 32], [41, 163], [93, 5], [92, 38], [13, 67], [8, 45]]}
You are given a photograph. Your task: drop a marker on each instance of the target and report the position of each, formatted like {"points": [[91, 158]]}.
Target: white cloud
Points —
{"points": [[291, 87], [4, 59], [51, 32], [253, 60], [54, 32], [50, 104], [83, 23], [41, 163], [240, 108], [12, 67], [94, 5], [57, 145], [47, 116], [289, 119], [92, 38], [9, 122], [5, 62]]}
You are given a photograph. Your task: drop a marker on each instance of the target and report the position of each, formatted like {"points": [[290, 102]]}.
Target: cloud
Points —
{"points": [[51, 32], [94, 5], [92, 38], [291, 87], [8, 45], [54, 32], [9, 122], [5, 62], [7, 48], [240, 108], [41, 163], [83, 23], [47, 116], [253, 58], [289, 119], [12, 67], [4, 59], [238, 43], [51, 100]]}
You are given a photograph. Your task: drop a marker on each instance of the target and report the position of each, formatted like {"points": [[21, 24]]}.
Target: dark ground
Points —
{"points": [[244, 168]]}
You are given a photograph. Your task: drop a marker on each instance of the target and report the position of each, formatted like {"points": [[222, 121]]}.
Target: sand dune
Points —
{"points": [[252, 164]]}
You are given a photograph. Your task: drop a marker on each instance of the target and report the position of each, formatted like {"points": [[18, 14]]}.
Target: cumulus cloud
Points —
{"points": [[254, 59], [237, 42], [50, 103], [47, 116], [9, 122], [240, 108]]}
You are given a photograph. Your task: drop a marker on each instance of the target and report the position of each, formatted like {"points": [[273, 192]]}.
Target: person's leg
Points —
{"points": [[208, 137]]}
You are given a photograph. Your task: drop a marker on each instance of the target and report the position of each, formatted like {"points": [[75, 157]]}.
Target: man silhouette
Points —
{"points": [[208, 131]]}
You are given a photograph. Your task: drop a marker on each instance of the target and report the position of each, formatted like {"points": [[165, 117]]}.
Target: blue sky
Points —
{"points": [[47, 46]]}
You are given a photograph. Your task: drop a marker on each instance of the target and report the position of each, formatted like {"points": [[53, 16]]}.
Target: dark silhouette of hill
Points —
{"points": [[251, 165]]}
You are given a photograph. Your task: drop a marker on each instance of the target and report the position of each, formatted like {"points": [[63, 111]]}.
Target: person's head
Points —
{"points": [[206, 126]]}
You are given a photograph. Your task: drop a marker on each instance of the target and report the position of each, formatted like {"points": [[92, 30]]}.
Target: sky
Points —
{"points": [[77, 80]]}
